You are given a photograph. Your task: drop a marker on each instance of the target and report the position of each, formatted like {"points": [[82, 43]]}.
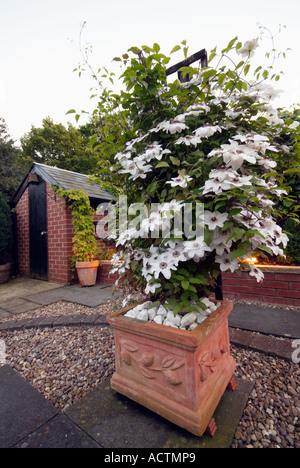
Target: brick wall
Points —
{"points": [[60, 233], [281, 285], [22, 210], [104, 275]]}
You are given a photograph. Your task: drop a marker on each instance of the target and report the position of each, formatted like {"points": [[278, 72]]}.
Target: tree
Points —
{"points": [[55, 145], [11, 173]]}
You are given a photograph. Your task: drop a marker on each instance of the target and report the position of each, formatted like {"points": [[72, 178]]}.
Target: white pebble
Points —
{"points": [[169, 324], [143, 315], [200, 317], [162, 311], [158, 319], [174, 319], [133, 313], [152, 313], [188, 319]]}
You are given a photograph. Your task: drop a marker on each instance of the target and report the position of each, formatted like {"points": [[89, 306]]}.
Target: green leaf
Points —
{"points": [[265, 249], [71, 111], [162, 164], [151, 188], [246, 69], [200, 279], [185, 284], [175, 161], [178, 308], [238, 253], [135, 50], [292, 171], [177, 47], [234, 212]]}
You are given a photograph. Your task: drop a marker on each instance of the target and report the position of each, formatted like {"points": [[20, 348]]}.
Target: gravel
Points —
{"points": [[65, 363]]}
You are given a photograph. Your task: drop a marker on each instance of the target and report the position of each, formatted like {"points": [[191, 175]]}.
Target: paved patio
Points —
{"points": [[103, 418], [25, 294]]}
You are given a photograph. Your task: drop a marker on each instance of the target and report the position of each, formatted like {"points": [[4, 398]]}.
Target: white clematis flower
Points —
{"points": [[195, 249], [207, 131], [188, 140], [216, 219], [248, 48], [180, 181], [234, 154], [226, 263]]}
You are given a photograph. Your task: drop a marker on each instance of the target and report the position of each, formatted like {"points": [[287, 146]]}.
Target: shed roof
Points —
{"points": [[66, 180]]}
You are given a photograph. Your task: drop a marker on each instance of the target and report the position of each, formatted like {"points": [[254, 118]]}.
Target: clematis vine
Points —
{"points": [[212, 141]]}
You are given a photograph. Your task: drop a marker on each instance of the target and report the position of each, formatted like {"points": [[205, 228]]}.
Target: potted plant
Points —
{"points": [[85, 246], [6, 239], [201, 167]]}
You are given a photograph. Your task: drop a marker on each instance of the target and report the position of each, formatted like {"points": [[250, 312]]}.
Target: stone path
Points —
{"points": [[103, 418]]}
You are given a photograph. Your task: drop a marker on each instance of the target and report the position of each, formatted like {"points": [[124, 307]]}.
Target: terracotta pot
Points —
{"points": [[4, 273], [87, 272], [179, 374]]}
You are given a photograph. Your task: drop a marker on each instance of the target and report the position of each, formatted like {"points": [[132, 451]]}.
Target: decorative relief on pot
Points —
{"points": [[144, 360], [209, 359]]}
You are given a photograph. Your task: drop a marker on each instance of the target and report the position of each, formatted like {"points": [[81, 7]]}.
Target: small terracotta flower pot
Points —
{"points": [[179, 374], [87, 272]]}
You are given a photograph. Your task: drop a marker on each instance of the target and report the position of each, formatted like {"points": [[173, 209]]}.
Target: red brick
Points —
{"points": [[237, 289], [276, 284], [296, 302], [287, 277], [288, 293], [269, 276], [295, 286], [264, 291]]}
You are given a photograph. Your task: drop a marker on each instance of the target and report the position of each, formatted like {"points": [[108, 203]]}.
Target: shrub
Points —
{"points": [[6, 236]]}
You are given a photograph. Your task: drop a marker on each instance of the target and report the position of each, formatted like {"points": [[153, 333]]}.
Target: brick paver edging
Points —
{"points": [[269, 345], [55, 321]]}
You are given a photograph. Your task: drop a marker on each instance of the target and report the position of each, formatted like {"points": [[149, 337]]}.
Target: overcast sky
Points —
{"points": [[40, 47]]}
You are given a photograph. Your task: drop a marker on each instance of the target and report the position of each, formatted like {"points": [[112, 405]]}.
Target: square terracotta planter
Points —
{"points": [[179, 374]]}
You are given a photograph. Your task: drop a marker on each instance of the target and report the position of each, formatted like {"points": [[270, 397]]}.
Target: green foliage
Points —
{"points": [[85, 245], [55, 145], [6, 236], [11, 173], [293, 247]]}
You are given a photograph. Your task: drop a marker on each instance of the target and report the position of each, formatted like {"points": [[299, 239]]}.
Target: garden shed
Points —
{"points": [[44, 225]]}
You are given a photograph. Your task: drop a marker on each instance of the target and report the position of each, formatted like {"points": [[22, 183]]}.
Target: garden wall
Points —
{"points": [[281, 285]]}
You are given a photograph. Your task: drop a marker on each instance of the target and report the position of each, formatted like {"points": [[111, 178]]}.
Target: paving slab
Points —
{"points": [[23, 287], [18, 306], [59, 432], [115, 421], [277, 322], [4, 314], [22, 408], [90, 297], [28, 420]]}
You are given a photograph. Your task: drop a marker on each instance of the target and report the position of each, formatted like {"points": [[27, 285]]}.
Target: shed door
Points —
{"points": [[38, 231]]}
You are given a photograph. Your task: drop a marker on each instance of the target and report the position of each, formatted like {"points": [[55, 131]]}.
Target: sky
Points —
{"points": [[40, 46]]}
